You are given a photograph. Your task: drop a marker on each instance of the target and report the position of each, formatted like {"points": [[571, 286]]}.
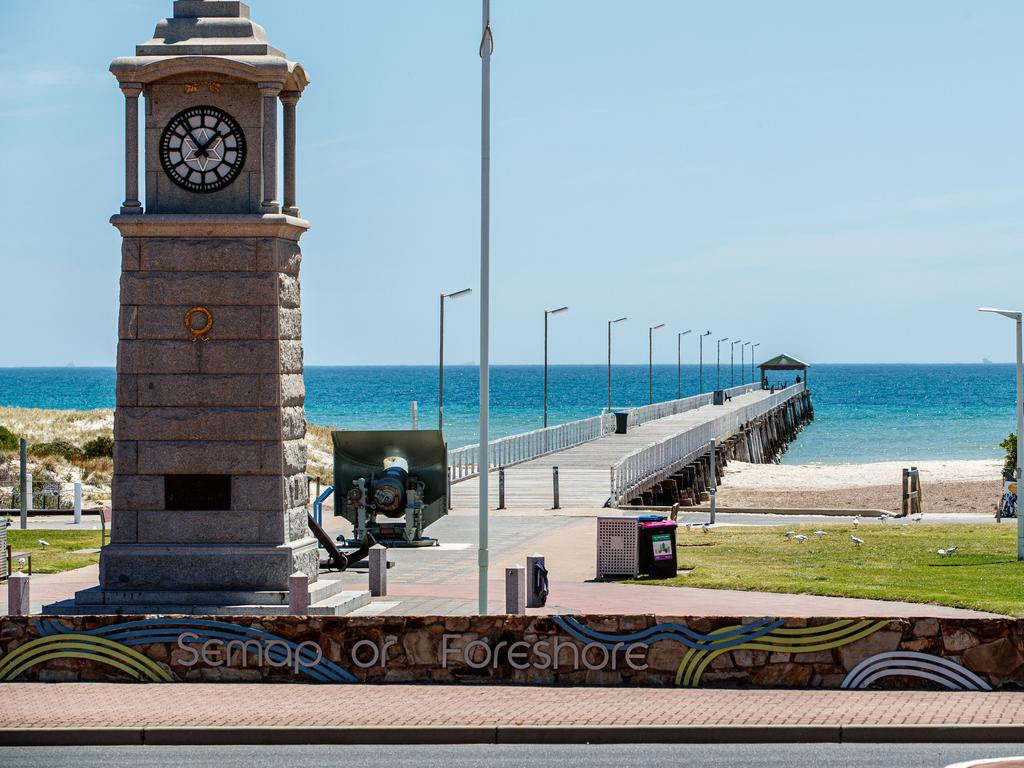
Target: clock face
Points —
{"points": [[202, 149]]}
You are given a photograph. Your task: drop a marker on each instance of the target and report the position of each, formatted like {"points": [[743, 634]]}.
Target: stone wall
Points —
{"points": [[226, 403], [960, 654]]}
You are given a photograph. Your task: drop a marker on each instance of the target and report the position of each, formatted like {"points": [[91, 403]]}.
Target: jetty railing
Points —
{"points": [[645, 413], [464, 462], [645, 465]]}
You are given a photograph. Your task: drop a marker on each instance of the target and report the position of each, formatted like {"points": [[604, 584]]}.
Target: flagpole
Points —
{"points": [[486, 48]]}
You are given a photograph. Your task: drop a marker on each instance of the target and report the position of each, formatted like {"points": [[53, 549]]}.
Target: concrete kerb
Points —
{"points": [[936, 733]]}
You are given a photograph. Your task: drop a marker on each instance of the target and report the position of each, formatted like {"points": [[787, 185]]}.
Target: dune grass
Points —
{"points": [[896, 562], [58, 556]]}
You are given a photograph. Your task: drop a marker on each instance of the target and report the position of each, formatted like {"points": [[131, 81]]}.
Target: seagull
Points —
{"points": [[821, 533], [705, 527], [857, 541], [917, 518], [790, 534], [801, 537], [44, 543], [856, 521], [946, 552]]}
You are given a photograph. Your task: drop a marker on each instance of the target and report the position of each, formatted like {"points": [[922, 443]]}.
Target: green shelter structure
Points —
{"points": [[783, 363]]}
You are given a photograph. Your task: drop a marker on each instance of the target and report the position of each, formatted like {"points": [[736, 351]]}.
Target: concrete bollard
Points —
{"points": [[535, 597], [78, 503], [515, 590], [554, 483], [378, 570], [713, 490], [22, 481], [298, 594], [17, 595]]}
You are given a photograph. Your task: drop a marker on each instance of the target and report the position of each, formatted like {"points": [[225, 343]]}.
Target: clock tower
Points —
{"points": [[209, 487]]}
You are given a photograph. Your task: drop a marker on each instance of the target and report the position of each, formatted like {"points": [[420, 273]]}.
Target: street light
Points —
{"points": [[700, 374], [1016, 316], [718, 366], [650, 360], [679, 363], [743, 364], [440, 357], [752, 348], [546, 313], [610, 324], [732, 362]]}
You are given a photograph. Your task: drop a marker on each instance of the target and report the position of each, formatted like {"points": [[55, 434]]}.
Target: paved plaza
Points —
{"points": [[442, 580]]}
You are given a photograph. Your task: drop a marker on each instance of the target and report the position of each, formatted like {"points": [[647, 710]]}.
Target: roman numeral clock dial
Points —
{"points": [[202, 149]]}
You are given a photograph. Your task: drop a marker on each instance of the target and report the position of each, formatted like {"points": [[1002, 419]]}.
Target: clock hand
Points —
{"points": [[206, 146]]}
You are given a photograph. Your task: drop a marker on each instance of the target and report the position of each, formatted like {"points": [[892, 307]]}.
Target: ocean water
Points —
{"points": [[862, 412]]}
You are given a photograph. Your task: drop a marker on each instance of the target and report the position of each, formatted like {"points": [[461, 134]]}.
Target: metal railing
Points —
{"points": [[645, 413], [464, 463], [645, 465]]}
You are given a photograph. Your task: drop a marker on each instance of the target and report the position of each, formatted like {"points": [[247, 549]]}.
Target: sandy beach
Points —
{"points": [[947, 485]]}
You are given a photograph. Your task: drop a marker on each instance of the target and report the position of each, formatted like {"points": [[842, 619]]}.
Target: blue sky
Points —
{"points": [[842, 181]]}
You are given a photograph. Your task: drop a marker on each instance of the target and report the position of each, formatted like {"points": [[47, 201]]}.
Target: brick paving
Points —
{"points": [[81, 705]]}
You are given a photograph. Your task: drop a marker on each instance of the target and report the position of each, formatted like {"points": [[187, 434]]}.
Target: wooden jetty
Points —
{"points": [[663, 457]]}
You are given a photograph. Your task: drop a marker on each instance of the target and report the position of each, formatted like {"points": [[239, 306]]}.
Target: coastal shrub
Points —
{"points": [[1010, 446], [99, 447], [8, 440], [58, 448]]}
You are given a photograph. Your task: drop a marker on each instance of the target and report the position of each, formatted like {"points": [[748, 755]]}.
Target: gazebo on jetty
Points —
{"points": [[782, 363]]}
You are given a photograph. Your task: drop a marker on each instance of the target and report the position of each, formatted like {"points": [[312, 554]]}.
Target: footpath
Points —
{"points": [[53, 714]]}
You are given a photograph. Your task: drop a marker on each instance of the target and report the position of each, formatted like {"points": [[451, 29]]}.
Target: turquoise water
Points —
{"points": [[863, 412]]}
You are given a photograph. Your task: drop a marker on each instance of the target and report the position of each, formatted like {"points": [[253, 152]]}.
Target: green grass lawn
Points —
{"points": [[58, 555], [896, 562]]}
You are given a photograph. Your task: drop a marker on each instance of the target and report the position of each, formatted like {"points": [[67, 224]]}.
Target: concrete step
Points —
{"points": [[340, 604], [98, 597], [376, 608], [319, 590], [327, 598], [71, 608], [325, 587]]}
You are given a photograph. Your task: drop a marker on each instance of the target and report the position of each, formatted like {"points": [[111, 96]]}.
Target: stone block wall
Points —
{"points": [[856, 653], [229, 403]]}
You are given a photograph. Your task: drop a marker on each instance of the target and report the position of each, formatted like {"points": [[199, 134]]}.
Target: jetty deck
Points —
{"points": [[585, 470]]}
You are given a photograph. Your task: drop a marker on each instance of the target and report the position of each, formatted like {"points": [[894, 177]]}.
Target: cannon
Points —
{"points": [[391, 484]]}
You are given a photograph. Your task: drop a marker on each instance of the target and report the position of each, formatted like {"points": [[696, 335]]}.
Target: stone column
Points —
{"points": [[131, 148], [289, 99], [269, 92]]}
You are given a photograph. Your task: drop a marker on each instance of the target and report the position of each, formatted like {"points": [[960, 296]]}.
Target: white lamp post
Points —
{"points": [[700, 373], [1015, 315], [610, 324], [752, 348], [546, 313], [650, 360], [743, 359], [679, 362], [718, 366], [440, 357], [483, 551], [732, 363]]}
